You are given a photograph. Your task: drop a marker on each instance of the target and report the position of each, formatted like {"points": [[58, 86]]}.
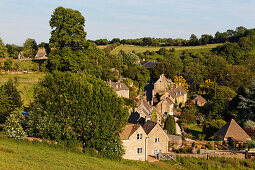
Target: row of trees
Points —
{"points": [[228, 36]]}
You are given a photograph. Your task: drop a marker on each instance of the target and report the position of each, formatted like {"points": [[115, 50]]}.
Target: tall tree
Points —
{"points": [[170, 125], [3, 50], [75, 106], [10, 99], [68, 29], [30, 48]]}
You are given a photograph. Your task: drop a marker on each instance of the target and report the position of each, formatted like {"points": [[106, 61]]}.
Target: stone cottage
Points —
{"points": [[120, 88]]}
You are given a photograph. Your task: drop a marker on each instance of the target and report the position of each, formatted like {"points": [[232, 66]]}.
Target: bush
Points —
{"points": [[209, 146], [184, 150], [198, 151], [13, 129], [249, 124]]}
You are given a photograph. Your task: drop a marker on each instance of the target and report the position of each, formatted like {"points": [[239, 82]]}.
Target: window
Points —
{"points": [[156, 140], [139, 150], [139, 136]]}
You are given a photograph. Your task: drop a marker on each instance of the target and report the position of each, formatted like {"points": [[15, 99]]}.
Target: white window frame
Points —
{"points": [[139, 150], [156, 140], [139, 136]]}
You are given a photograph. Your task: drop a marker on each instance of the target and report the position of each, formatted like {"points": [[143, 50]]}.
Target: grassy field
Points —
{"points": [[139, 49], [16, 154], [26, 83], [194, 129]]}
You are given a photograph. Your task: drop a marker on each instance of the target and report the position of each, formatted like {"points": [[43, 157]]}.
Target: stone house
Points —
{"points": [[199, 100], [232, 133], [41, 54], [120, 88], [165, 106], [145, 111], [157, 138], [135, 142], [178, 94], [161, 85]]}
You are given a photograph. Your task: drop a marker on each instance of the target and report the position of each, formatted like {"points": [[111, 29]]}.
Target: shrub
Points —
{"points": [[194, 144], [198, 151], [201, 137], [209, 146], [184, 150], [249, 124], [13, 129]]}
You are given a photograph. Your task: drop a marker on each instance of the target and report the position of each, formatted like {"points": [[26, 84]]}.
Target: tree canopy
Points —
{"points": [[77, 107]]}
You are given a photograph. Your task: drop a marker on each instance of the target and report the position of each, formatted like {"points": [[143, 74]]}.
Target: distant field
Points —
{"points": [[26, 83], [140, 49], [102, 46]]}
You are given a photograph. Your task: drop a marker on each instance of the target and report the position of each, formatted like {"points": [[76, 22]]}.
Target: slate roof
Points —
{"points": [[118, 86], [128, 130], [148, 126], [149, 64], [232, 130]]}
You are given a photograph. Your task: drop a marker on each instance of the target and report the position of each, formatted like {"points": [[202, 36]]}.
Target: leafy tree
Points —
{"points": [[12, 128], [193, 40], [3, 50], [77, 107], [206, 39], [139, 74], [212, 126], [8, 64], [249, 144], [189, 114], [162, 68], [68, 29], [170, 125], [182, 81], [10, 99], [30, 48]]}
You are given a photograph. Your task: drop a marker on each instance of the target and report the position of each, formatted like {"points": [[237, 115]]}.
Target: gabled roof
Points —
{"points": [[163, 79], [128, 130], [232, 130], [148, 126], [200, 99], [145, 108], [118, 86], [177, 91]]}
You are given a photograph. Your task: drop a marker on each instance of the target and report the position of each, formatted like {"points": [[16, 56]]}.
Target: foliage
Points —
{"points": [[249, 124], [9, 99], [209, 146], [249, 144], [8, 64], [201, 137], [212, 126], [71, 107], [3, 50], [30, 48], [244, 103], [182, 81], [139, 74], [12, 127], [170, 125], [189, 114], [68, 29]]}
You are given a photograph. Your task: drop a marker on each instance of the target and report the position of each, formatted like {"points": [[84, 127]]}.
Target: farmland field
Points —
{"points": [[139, 49], [26, 83]]}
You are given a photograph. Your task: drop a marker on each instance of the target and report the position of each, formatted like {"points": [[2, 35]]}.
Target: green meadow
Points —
{"points": [[26, 83], [140, 49]]}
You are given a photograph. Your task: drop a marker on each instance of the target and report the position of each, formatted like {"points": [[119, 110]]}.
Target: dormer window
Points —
{"points": [[156, 140], [139, 136]]}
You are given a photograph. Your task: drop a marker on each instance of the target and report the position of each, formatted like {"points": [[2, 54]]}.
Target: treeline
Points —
{"points": [[228, 36]]}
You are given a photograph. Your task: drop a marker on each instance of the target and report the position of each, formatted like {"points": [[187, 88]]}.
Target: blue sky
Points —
{"points": [[22, 19]]}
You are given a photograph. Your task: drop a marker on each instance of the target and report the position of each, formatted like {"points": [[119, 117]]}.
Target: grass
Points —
{"points": [[26, 83], [16, 154], [140, 49], [27, 155], [193, 129]]}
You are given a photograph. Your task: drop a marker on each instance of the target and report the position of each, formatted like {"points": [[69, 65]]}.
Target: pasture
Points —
{"points": [[26, 83]]}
